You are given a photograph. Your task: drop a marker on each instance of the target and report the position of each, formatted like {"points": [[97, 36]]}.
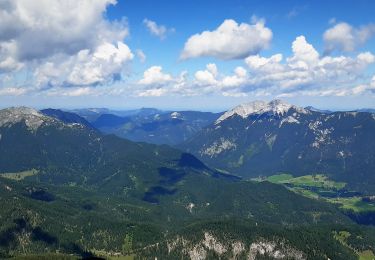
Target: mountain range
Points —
{"points": [[67, 187], [150, 125], [266, 138]]}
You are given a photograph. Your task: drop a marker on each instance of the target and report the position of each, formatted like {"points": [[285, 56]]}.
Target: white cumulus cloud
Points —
{"points": [[85, 68], [237, 79], [155, 76], [157, 83], [209, 80], [207, 76], [306, 71], [344, 37], [62, 42], [229, 41], [257, 62]]}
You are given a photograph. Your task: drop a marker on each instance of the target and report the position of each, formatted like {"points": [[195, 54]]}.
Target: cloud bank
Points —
{"points": [[305, 72]]}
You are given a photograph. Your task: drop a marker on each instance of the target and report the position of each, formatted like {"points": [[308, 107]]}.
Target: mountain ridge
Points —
{"points": [[298, 141], [274, 107]]}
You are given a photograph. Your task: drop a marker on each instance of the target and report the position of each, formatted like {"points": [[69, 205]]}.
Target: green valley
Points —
{"points": [[319, 186]]}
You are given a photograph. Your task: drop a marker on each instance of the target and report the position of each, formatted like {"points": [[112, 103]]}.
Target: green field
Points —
{"points": [[19, 175], [319, 181], [280, 178], [311, 185], [354, 203]]}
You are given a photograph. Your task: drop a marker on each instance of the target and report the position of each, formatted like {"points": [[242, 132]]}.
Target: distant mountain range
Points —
{"points": [[91, 114], [369, 110], [257, 139], [318, 110], [149, 125]]}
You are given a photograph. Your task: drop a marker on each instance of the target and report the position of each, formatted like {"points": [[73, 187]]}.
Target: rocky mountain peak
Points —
{"points": [[276, 107], [32, 117]]}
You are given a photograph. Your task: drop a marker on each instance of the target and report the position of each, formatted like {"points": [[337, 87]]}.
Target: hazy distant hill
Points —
{"points": [[159, 128], [91, 114]]}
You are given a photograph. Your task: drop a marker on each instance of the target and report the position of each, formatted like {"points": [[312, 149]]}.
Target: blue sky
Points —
{"points": [[287, 19], [202, 55]]}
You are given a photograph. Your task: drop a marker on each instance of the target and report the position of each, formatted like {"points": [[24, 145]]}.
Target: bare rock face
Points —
{"points": [[211, 243], [32, 118], [275, 107], [276, 249]]}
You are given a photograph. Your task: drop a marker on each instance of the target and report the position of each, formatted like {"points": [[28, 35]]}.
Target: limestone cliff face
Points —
{"points": [[211, 246]]}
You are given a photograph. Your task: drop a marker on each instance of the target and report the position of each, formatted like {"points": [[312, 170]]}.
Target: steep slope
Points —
{"points": [[72, 153], [66, 117], [263, 138]]}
